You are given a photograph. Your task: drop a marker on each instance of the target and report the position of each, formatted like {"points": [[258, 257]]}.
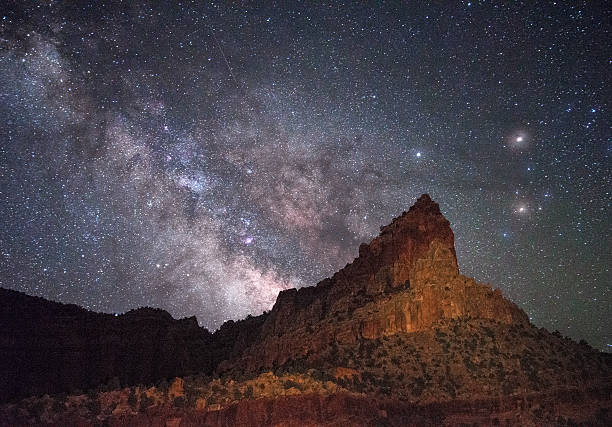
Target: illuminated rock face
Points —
{"points": [[438, 292], [405, 280], [382, 267]]}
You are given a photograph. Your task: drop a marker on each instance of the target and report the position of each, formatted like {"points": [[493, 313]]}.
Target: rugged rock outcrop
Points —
{"points": [[382, 267], [405, 280], [438, 292], [572, 406], [569, 407]]}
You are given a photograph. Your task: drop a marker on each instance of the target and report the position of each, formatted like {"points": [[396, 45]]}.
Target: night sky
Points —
{"points": [[202, 157]]}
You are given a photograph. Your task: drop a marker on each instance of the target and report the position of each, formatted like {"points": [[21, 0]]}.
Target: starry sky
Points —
{"points": [[200, 157]]}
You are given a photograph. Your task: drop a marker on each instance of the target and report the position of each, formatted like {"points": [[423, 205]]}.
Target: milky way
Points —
{"points": [[202, 157]]}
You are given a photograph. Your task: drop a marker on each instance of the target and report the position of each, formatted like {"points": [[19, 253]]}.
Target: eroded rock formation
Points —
{"points": [[404, 280]]}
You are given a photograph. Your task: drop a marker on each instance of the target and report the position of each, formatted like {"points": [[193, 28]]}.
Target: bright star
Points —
{"points": [[521, 208], [518, 140]]}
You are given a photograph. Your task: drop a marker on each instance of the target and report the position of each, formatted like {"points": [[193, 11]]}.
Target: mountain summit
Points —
{"points": [[397, 337]]}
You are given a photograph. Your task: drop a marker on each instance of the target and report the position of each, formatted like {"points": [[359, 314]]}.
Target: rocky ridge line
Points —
{"points": [[404, 280]]}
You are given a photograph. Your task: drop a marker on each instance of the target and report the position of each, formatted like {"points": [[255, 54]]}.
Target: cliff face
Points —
{"points": [[438, 293], [383, 266], [414, 253]]}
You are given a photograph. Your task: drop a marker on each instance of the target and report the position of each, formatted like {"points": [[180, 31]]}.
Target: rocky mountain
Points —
{"points": [[404, 281], [396, 337]]}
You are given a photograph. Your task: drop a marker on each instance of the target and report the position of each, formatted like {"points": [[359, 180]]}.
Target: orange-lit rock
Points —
{"points": [[341, 372], [405, 280], [177, 389]]}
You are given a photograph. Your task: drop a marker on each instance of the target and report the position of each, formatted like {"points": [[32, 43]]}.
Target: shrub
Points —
{"points": [[289, 383], [145, 402], [163, 386], [179, 402], [387, 378], [450, 389], [469, 364], [58, 405], [419, 386], [367, 376], [113, 384], [37, 408], [93, 406], [191, 395], [507, 388], [132, 399]]}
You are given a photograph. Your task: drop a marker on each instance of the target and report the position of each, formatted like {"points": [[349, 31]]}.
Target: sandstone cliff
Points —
{"points": [[405, 280]]}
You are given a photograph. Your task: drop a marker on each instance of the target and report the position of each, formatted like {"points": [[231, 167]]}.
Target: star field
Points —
{"points": [[202, 157]]}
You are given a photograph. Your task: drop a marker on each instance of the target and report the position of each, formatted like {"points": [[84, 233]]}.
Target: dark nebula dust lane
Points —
{"points": [[202, 157]]}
